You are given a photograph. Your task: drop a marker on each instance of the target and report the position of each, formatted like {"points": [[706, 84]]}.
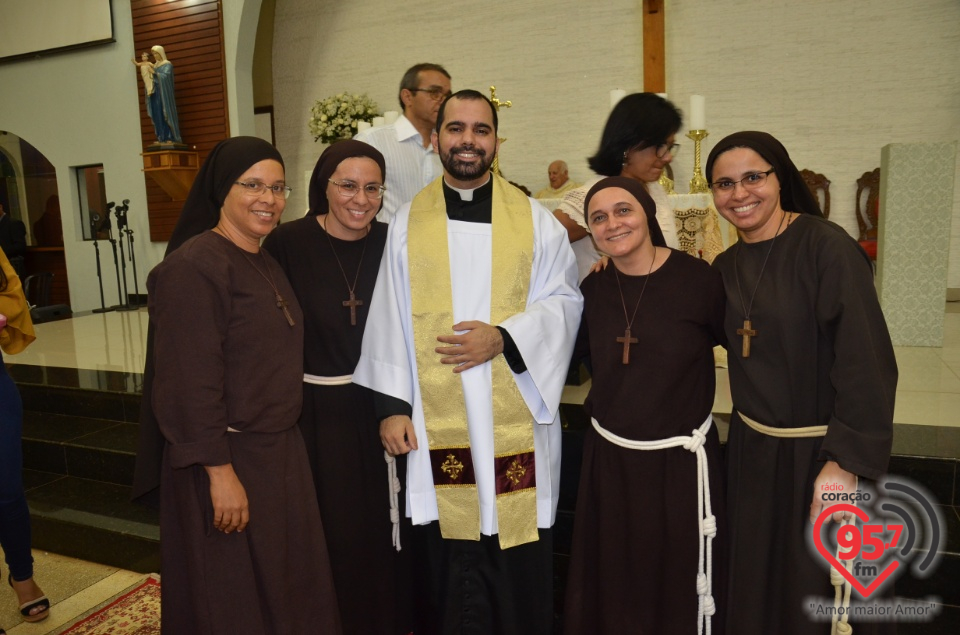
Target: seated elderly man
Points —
{"points": [[559, 181]]}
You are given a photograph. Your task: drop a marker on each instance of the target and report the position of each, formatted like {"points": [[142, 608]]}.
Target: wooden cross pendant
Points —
{"points": [[282, 305], [353, 303], [746, 332], [627, 341]]}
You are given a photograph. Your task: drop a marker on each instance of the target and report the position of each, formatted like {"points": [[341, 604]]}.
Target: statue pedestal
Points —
{"points": [[172, 170]]}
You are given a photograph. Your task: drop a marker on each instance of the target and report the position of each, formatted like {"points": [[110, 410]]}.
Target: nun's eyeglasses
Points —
{"points": [[256, 188], [751, 181], [349, 189]]}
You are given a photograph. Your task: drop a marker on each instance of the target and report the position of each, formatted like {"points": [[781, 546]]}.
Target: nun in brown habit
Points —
{"points": [[809, 349], [648, 549], [242, 545]]}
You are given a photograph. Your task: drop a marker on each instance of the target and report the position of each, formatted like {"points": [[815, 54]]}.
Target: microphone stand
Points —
{"points": [[121, 214], [94, 221], [130, 254], [113, 243]]}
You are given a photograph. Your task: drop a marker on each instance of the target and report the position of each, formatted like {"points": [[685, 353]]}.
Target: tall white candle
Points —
{"points": [[698, 115], [363, 125], [615, 96], [378, 121], [390, 116]]}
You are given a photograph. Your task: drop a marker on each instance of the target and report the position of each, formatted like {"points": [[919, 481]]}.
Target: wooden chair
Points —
{"points": [[819, 186], [868, 210]]}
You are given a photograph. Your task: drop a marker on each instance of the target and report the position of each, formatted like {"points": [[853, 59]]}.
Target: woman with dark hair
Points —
{"points": [[649, 532], [638, 141], [812, 375], [242, 545], [16, 333], [332, 257]]}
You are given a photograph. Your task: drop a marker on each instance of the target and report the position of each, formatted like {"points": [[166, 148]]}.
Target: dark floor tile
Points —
{"points": [[131, 406], [956, 486], [936, 475], [946, 623], [106, 380], [44, 456], [96, 544], [35, 478], [920, 440], [119, 437], [941, 583], [951, 519], [100, 465], [58, 428], [88, 502]]}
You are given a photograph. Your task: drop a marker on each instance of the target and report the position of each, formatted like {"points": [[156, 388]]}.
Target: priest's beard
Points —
{"points": [[462, 170]]}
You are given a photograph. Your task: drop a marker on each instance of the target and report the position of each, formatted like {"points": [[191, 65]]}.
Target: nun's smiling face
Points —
{"points": [[754, 209], [248, 216], [618, 223], [351, 214]]}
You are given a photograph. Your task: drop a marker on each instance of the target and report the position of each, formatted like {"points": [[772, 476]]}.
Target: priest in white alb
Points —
{"points": [[470, 332]]}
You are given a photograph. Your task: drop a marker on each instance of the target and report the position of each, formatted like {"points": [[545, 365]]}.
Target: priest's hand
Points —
{"points": [[397, 435], [832, 479], [478, 345], [231, 512]]}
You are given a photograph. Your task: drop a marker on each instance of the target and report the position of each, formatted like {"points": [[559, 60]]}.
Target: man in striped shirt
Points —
{"points": [[405, 144]]}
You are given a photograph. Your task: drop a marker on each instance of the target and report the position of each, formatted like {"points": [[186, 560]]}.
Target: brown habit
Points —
{"points": [[225, 356]]}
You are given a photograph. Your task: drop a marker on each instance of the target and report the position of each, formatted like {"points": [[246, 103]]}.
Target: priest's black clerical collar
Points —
{"points": [[478, 210]]}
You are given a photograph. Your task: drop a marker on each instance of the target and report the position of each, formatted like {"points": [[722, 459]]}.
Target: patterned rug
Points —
{"points": [[135, 611]]}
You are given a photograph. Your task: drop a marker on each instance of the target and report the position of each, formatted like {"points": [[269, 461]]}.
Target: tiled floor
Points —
{"points": [[928, 392], [928, 409]]}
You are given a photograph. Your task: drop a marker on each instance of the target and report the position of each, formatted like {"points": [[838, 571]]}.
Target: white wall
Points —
{"points": [[835, 81], [82, 108], [557, 61]]}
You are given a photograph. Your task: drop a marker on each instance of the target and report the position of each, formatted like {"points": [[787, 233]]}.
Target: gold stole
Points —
{"points": [[441, 391]]}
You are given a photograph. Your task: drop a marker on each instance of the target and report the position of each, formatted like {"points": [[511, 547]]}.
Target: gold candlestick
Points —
{"points": [[698, 184]]}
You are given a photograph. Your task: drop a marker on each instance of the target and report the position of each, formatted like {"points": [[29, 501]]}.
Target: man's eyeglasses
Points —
{"points": [[256, 188], [435, 93], [751, 181], [349, 189]]}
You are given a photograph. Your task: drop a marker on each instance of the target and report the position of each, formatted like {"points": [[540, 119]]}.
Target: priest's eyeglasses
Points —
{"points": [[256, 188], [751, 181], [435, 92], [349, 189]]}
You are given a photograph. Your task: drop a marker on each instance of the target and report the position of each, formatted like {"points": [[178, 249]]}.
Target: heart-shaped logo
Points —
{"points": [[865, 591]]}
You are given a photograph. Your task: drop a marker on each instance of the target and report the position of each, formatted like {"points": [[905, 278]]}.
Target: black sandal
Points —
{"points": [[27, 607]]}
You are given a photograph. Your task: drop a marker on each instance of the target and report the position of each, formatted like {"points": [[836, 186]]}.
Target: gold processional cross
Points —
{"points": [[495, 168], [746, 332]]}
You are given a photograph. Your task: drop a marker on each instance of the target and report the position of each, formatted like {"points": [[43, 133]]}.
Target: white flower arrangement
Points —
{"points": [[336, 116]]}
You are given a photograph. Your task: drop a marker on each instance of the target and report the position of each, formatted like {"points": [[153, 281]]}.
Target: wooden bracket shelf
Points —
{"points": [[172, 170]]}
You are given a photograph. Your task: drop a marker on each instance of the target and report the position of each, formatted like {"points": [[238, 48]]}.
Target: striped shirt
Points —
{"points": [[410, 166]]}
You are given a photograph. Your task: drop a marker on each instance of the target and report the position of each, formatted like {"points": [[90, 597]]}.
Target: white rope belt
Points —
{"points": [[317, 380], [841, 588], [393, 485], [706, 521]]}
